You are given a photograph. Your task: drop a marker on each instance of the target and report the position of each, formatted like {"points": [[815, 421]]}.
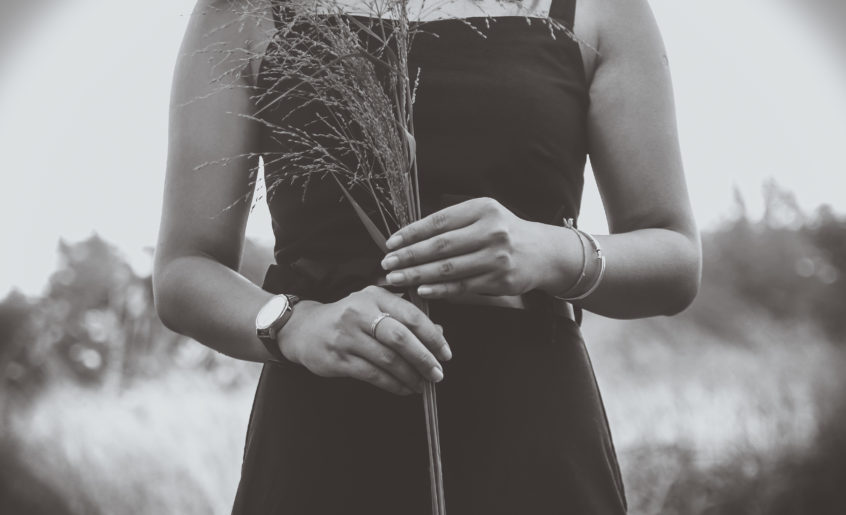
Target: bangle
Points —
{"points": [[599, 257], [568, 223]]}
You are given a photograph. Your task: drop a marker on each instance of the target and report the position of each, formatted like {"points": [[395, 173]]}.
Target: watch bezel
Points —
{"points": [[267, 333], [272, 318]]}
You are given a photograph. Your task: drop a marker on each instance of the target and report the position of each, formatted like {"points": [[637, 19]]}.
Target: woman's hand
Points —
{"points": [[335, 340], [478, 246]]}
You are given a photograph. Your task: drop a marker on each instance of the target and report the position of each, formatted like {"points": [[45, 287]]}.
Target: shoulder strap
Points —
{"points": [[563, 11]]}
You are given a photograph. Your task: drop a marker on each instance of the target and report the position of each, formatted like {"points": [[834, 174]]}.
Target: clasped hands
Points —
{"points": [[477, 246]]}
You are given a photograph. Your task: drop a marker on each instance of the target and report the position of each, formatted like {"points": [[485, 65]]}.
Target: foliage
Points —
{"points": [[788, 264], [96, 325]]}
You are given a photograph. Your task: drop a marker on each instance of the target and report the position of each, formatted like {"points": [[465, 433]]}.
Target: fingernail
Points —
{"points": [[425, 290], [389, 262], [436, 374], [446, 352], [394, 241], [396, 277]]}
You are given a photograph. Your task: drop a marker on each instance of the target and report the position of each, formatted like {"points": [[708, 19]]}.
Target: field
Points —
{"points": [[693, 419]]}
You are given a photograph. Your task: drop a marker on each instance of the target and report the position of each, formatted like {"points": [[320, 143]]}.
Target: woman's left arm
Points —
{"points": [[653, 253]]}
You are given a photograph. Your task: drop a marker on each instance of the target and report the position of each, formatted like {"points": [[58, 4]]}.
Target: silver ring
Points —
{"points": [[376, 322]]}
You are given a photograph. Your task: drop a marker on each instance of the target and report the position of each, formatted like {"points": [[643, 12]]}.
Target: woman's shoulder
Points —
{"points": [[231, 34], [612, 28]]}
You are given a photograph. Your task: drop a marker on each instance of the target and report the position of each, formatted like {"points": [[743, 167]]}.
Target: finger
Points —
{"points": [[390, 361], [394, 335], [481, 284], [447, 219], [459, 267], [421, 325], [363, 370], [452, 243]]}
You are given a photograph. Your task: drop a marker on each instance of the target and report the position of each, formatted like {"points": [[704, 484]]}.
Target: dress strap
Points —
{"points": [[564, 11]]}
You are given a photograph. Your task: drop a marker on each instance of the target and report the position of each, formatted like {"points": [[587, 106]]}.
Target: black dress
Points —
{"points": [[523, 428]]}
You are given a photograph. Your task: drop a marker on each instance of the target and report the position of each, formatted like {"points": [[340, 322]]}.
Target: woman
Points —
{"points": [[503, 126]]}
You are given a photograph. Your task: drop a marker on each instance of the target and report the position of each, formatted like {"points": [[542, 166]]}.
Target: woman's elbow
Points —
{"points": [[163, 293], [682, 298], [686, 284]]}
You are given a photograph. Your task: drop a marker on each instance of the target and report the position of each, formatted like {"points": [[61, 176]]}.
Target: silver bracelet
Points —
{"points": [[601, 258], [598, 255], [568, 223]]}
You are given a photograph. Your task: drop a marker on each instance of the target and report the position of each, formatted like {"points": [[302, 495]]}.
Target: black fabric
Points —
{"points": [[501, 116], [523, 430], [523, 427]]}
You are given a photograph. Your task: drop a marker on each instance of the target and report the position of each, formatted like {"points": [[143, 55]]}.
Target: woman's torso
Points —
{"points": [[522, 425], [500, 111]]}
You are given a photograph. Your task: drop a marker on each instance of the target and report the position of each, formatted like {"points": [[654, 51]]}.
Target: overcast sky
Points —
{"points": [[83, 120]]}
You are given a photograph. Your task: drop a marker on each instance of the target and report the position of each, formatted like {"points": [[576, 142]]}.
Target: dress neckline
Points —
{"points": [[462, 19], [561, 11]]}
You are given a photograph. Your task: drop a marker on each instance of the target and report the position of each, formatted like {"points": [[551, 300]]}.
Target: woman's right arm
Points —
{"points": [[207, 196], [204, 213]]}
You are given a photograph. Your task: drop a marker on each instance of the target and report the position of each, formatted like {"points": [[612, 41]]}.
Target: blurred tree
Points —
{"points": [[787, 264], [781, 210], [828, 232], [19, 365], [97, 324]]}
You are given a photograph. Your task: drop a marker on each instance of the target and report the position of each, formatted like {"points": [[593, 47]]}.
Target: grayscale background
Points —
{"points": [[737, 406]]}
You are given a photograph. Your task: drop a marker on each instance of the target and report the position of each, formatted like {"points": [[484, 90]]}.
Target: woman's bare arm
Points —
{"points": [[197, 287], [653, 252]]}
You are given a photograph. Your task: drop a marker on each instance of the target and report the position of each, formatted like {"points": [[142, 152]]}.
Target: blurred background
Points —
{"points": [[737, 406]]}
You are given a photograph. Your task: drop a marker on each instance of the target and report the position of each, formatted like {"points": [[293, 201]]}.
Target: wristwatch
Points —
{"points": [[270, 320]]}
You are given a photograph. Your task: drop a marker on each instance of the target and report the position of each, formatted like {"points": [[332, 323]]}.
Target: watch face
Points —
{"points": [[271, 311]]}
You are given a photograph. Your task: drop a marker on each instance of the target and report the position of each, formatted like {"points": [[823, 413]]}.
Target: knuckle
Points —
{"points": [[488, 204], [460, 287], [335, 345], [388, 359], [407, 255], [438, 220], [397, 336], [446, 268], [441, 244], [500, 235], [349, 313], [503, 260], [509, 284], [414, 318], [372, 375]]}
